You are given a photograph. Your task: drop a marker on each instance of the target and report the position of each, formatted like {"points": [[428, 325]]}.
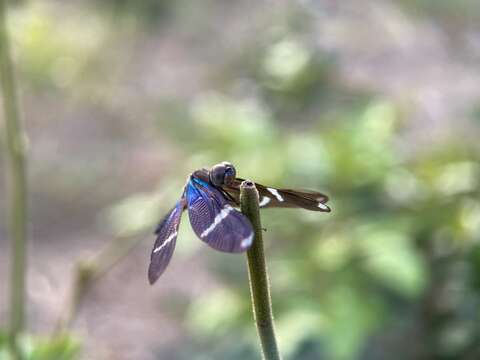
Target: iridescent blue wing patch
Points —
{"points": [[214, 220], [166, 233]]}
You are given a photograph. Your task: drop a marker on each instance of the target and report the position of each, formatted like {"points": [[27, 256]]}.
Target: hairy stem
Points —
{"points": [[257, 272], [16, 180]]}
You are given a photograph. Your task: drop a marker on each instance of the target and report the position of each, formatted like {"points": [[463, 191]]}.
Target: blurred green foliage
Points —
{"points": [[53, 52], [36, 348]]}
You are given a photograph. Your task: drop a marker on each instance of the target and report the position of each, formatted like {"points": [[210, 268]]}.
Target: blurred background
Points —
{"points": [[376, 103]]}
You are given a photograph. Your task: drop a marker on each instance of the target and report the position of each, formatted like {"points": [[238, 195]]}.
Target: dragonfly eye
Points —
{"points": [[222, 174], [217, 174], [230, 174]]}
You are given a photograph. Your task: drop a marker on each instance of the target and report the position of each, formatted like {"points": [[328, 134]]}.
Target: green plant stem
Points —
{"points": [[257, 272], [16, 180]]}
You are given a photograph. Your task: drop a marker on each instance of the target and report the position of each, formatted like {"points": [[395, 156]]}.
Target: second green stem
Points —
{"points": [[17, 182]]}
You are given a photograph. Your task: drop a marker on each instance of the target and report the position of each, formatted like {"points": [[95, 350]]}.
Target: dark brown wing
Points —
{"points": [[287, 198]]}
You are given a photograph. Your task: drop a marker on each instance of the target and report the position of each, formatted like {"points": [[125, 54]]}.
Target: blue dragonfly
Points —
{"points": [[211, 197]]}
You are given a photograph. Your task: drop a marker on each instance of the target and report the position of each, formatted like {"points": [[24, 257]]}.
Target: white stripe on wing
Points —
{"points": [[220, 216], [247, 241], [165, 243], [276, 194], [265, 201], [323, 206]]}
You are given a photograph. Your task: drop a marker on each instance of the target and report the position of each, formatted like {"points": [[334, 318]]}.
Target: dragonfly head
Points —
{"points": [[222, 174]]}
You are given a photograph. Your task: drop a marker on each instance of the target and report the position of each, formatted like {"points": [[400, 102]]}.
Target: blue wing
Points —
{"points": [[215, 221], [165, 243]]}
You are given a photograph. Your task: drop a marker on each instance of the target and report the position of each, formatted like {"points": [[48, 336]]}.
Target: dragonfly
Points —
{"points": [[211, 197]]}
